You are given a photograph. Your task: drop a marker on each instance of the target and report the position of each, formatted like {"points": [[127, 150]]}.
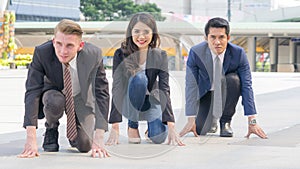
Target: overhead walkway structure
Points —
{"points": [[279, 39]]}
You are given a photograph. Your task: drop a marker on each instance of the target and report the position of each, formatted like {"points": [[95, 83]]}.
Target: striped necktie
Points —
{"points": [[70, 111]]}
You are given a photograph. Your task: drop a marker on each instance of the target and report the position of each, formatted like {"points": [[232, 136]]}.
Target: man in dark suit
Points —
{"points": [[210, 98], [46, 92]]}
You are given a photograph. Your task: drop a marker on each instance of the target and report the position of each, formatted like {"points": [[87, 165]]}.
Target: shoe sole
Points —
{"points": [[134, 140], [212, 131], [51, 148], [226, 135]]}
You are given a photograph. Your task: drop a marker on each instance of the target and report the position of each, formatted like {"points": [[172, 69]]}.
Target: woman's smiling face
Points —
{"points": [[141, 35]]}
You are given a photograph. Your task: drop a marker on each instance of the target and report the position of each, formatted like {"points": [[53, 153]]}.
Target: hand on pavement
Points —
{"points": [[98, 147], [173, 137], [31, 148], [255, 129], [189, 127]]}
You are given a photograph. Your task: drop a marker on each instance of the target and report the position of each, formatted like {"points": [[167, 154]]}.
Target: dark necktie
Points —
{"points": [[70, 111], [217, 103]]}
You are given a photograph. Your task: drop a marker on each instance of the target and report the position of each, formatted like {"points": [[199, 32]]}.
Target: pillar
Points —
{"points": [[273, 54], [178, 57], [292, 56], [252, 52]]}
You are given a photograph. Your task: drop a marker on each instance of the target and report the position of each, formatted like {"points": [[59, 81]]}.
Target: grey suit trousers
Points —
{"points": [[54, 106]]}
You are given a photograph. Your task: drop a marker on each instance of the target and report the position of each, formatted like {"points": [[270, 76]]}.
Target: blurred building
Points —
{"points": [[281, 52], [189, 10], [3, 5], [233, 10], [281, 49], [45, 10]]}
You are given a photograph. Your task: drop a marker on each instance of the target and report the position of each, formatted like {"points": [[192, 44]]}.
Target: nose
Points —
{"points": [[63, 50], [141, 35], [217, 41]]}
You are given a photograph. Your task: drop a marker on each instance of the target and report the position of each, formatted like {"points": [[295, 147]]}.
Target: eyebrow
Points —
{"points": [[141, 29]]}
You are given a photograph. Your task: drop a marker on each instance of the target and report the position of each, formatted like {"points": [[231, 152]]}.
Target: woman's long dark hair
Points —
{"points": [[130, 49]]}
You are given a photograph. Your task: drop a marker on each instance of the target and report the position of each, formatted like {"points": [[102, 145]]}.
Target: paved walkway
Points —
{"points": [[277, 97]]}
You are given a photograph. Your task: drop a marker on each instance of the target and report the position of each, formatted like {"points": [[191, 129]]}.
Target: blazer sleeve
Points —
{"points": [[191, 85], [102, 97], [244, 73], [164, 90], [34, 89], [118, 89]]}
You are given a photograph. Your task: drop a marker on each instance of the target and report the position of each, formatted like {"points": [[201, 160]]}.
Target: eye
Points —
{"points": [[136, 31], [213, 37], [222, 37], [58, 44], [146, 32], [70, 46]]}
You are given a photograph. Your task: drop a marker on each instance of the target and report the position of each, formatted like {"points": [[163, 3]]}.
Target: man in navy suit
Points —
{"points": [[201, 85]]}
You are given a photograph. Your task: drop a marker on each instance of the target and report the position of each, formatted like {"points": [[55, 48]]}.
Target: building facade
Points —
{"points": [[233, 10], [45, 10]]}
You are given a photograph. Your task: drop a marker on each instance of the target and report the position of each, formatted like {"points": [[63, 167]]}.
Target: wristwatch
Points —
{"points": [[253, 121]]}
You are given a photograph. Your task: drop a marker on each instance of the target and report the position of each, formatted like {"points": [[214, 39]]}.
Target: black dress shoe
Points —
{"points": [[226, 130], [73, 143], [51, 140]]}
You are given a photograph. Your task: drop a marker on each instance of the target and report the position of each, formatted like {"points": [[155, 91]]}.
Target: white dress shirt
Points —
{"points": [[74, 76]]}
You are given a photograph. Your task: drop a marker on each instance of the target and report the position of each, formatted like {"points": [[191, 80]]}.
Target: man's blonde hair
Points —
{"points": [[68, 27]]}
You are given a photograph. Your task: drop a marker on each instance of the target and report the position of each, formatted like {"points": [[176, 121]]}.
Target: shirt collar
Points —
{"points": [[73, 62], [221, 55]]}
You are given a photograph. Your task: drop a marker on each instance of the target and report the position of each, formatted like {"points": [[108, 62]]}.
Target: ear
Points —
{"points": [[205, 38], [228, 37], [81, 45]]}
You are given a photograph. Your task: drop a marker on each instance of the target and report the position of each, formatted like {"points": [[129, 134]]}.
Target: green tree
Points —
{"points": [[113, 10], [153, 9]]}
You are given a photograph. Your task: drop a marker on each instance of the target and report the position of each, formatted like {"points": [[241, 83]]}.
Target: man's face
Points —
{"points": [[217, 40], [66, 46]]}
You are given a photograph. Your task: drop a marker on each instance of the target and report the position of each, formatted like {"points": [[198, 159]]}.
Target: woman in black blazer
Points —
{"points": [[136, 92]]}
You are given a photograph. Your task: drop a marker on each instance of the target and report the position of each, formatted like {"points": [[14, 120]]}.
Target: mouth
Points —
{"points": [[218, 48], [141, 42], [63, 56]]}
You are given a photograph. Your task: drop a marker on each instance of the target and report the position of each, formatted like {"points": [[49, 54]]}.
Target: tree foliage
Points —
{"points": [[116, 10]]}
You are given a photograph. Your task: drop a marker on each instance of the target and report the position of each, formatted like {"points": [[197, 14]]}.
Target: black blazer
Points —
{"points": [[156, 67], [45, 73]]}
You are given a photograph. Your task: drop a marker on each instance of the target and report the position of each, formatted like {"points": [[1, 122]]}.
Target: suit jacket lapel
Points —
{"points": [[82, 73], [84, 67], [57, 66], [150, 59], [209, 63], [227, 58], [206, 59], [151, 66]]}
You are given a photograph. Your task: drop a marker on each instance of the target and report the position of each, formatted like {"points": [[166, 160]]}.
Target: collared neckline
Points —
{"points": [[72, 63], [221, 55]]}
